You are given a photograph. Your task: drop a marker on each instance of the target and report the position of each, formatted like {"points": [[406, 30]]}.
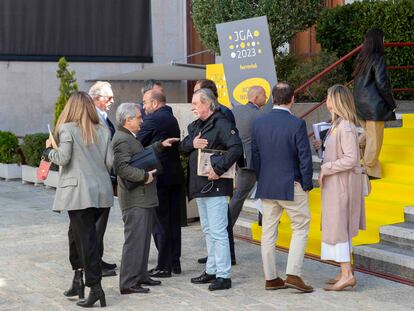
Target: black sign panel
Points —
{"points": [[80, 30]]}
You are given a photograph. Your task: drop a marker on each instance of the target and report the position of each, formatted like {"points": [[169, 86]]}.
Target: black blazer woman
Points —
{"points": [[373, 98]]}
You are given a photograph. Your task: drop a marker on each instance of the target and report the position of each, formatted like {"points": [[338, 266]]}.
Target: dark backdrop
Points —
{"points": [[80, 30]]}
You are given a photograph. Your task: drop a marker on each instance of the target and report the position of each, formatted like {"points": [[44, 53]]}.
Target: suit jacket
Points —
{"points": [[158, 126], [343, 204], [245, 115], [107, 123], [281, 155], [125, 145], [84, 176]]}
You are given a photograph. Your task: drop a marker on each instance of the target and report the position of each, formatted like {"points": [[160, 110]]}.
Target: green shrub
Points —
{"points": [[67, 86], [285, 18], [297, 71], [33, 146], [343, 28], [9, 145]]}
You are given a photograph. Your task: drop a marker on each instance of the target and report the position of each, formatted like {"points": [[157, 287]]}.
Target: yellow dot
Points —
{"points": [[260, 51], [230, 37], [256, 33], [248, 43], [242, 45], [231, 47], [258, 43]]}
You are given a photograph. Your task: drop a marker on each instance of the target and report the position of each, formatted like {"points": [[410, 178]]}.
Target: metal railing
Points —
{"points": [[342, 60]]}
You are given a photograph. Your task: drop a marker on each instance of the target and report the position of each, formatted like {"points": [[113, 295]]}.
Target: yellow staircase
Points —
{"points": [[385, 205]]}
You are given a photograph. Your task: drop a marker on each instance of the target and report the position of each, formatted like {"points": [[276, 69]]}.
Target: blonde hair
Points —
{"points": [[343, 103], [80, 109]]}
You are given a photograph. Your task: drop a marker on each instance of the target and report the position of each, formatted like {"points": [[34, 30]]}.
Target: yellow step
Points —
{"points": [[398, 172], [397, 153], [408, 120], [399, 136]]}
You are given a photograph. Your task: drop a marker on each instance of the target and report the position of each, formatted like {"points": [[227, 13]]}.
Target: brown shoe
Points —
{"points": [[277, 283], [293, 281]]}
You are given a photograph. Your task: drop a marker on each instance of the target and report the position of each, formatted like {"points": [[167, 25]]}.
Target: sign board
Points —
{"points": [[215, 72], [247, 57]]}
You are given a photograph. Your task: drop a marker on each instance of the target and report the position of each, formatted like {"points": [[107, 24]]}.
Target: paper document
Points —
{"points": [[54, 144], [206, 156], [318, 128]]}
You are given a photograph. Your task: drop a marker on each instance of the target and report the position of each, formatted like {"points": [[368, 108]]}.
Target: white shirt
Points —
{"points": [[102, 114]]}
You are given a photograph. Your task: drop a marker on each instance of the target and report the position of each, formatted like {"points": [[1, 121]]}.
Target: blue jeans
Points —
{"points": [[214, 220]]}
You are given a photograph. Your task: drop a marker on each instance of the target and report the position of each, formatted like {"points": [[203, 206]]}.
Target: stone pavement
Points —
{"points": [[34, 269]]}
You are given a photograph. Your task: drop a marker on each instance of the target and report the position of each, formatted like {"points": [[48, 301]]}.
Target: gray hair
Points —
{"points": [[125, 111], [149, 85], [100, 88], [207, 97]]}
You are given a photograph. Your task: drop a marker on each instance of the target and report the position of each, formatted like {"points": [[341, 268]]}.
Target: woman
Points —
{"points": [[84, 188], [343, 210], [373, 98]]}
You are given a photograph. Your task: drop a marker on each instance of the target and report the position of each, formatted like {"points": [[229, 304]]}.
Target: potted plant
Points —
{"points": [[9, 159], [32, 147]]}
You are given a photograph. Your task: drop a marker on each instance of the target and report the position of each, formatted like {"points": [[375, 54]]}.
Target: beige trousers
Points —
{"points": [[299, 215], [371, 142]]}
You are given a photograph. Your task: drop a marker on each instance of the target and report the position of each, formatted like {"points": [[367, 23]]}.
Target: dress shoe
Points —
{"points": [[78, 287], [176, 269], [136, 289], [159, 273], [204, 278], [202, 260], [151, 282], [95, 294], [294, 281], [277, 283], [108, 266], [220, 283], [108, 272], [339, 286]]}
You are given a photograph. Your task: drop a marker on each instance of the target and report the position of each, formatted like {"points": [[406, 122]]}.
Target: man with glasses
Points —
{"points": [[103, 98]]}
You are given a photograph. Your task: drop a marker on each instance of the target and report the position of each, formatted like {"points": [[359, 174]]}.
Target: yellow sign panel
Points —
{"points": [[215, 72]]}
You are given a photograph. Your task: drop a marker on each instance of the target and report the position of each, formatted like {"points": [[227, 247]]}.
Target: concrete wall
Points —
{"points": [[28, 90]]}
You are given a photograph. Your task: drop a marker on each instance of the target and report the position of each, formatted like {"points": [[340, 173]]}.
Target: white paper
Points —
{"points": [[317, 129]]}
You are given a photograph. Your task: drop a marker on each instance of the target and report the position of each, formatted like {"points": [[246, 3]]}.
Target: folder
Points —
{"points": [[146, 160]]}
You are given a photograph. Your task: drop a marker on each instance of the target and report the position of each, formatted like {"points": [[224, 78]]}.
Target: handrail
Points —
{"points": [[343, 59]]}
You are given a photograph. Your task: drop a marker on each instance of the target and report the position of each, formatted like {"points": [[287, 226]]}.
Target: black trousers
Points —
{"points": [[74, 252], [231, 237], [84, 231], [167, 226]]}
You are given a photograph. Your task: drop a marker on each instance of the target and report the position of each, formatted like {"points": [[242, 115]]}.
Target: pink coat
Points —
{"points": [[342, 197]]}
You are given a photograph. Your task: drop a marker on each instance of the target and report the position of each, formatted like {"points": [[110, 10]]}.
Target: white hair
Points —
{"points": [[207, 97], [125, 111], [100, 88]]}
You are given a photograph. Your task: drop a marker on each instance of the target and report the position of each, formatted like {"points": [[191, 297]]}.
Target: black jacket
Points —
{"points": [[158, 126], [373, 95], [221, 135]]}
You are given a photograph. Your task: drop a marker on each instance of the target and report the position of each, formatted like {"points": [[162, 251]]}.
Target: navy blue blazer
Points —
{"points": [[281, 155], [159, 125]]}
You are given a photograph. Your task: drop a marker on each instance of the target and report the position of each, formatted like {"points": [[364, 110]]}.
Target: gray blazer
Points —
{"points": [[84, 176], [245, 115], [125, 145]]}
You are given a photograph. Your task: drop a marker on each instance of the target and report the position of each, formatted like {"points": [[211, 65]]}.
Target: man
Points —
{"points": [[136, 204], [209, 84], [103, 97], [246, 177], [154, 85], [282, 159], [212, 130], [160, 124]]}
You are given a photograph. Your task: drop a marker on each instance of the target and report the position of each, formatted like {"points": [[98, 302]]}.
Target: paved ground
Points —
{"points": [[34, 269]]}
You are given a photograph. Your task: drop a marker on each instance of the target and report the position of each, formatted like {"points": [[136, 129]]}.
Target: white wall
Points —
{"points": [[28, 90]]}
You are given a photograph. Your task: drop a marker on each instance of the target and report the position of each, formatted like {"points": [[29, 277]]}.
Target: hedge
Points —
{"points": [[9, 145], [33, 146], [343, 28]]}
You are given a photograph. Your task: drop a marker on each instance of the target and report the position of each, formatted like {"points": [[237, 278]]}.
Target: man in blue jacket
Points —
{"points": [[282, 159]]}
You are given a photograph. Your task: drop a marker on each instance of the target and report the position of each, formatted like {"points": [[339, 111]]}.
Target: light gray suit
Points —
{"points": [[84, 179], [246, 177]]}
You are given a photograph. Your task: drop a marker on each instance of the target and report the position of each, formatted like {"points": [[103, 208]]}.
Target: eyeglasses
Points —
{"points": [[108, 98]]}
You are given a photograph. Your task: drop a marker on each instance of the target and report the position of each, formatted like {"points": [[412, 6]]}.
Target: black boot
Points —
{"points": [[78, 287], [95, 294]]}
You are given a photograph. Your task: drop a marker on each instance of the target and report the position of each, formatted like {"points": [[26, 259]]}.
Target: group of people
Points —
{"points": [[271, 149]]}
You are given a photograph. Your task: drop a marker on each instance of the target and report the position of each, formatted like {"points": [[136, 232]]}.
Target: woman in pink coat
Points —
{"points": [[343, 210]]}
